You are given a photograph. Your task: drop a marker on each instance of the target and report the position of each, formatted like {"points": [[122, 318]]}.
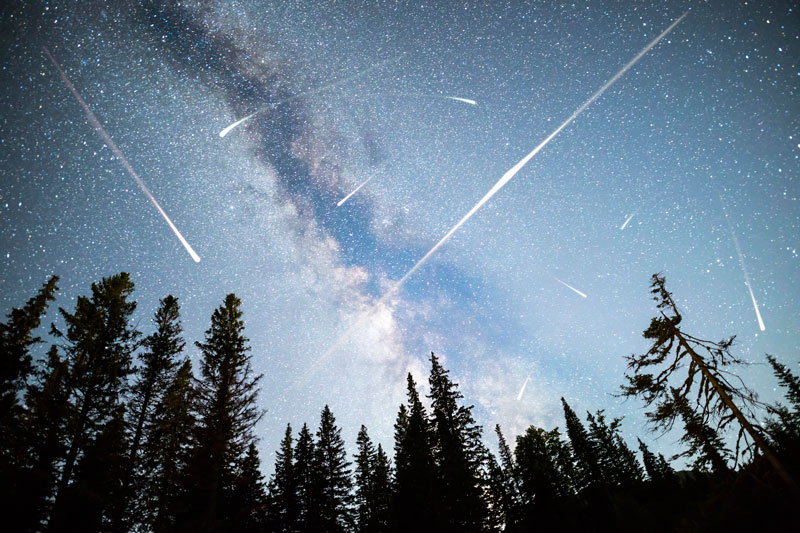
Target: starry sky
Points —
{"points": [[706, 123]]}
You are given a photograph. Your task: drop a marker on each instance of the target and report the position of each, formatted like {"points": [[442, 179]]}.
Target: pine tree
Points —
{"points": [[331, 476], [784, 428], [415, 481], [707, 380], [459, 455], [227, 413], [100, 342], [303, 471], [166, 453], [283, 504], [159, 363]]}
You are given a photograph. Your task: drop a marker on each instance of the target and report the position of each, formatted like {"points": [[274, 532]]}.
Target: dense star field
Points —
{"points": [[692, 153]]}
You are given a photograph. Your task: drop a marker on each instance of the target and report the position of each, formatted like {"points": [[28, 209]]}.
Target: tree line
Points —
{"points": [[110, 430]]}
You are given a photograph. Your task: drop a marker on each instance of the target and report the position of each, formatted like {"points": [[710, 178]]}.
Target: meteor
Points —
{"points": [[567, 285], [465, 100], [626, 222], [497, 186], [522, 390], [343, 200], [318, 90], [744, 267], [102, 132]]}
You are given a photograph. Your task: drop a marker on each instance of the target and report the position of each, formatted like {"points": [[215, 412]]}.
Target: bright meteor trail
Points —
{"points": [[522, 390], [626, 222], [570, 287], [497, 186], [465, 100], [102, 132], [272, 105], [744, 267], [343, 200]]}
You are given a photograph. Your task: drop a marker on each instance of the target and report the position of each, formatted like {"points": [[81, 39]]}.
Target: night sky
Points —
{"points": [[707, 122]]}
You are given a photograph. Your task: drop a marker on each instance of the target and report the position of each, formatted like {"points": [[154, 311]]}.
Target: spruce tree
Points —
{"points": [[227, 414], [100, 341], [166, 453], [331, 478], [303, 472], [459, 455], [784, 427], [364, 474], [506, 479], [584, 450], [544, 474], [248, 496], [283, 504], [617, 461], [381, 490], [657, 468], [159, 361], [16, 339], [415, 476], [705, 444]]}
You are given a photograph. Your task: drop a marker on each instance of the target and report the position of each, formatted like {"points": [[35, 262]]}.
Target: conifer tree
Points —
{"points": [[16, 339], [543, 461], [507, 480], [44, 420], [657, 468], [331, 475], [785, 428], [705, 443], [166, 453], [584, 450], [616, 459], [159, 361], [303, 471], [248, 496], [382, 490], [283, 504], [708, 381], [365, 461], [415, 481], [100, 342], [458, 453], [227, 413]]}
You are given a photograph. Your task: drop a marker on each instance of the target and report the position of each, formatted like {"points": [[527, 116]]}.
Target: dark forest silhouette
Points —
{"points": [[113, 431]]}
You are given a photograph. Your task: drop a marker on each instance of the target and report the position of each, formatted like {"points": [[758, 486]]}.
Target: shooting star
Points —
{"points": [[567, 285], [465, 100], [744, 267], [522, 390], [111, 144], [318, 90], [343, 200], [626, 222], [497, 186]]}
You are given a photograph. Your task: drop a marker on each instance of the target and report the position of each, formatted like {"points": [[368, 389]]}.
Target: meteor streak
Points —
{"points": [[567, 285], [522, 390], [744, 267], [102, 132], [465, 100], [497, 186], [272, 105], [626, 222], [343, 200]]}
